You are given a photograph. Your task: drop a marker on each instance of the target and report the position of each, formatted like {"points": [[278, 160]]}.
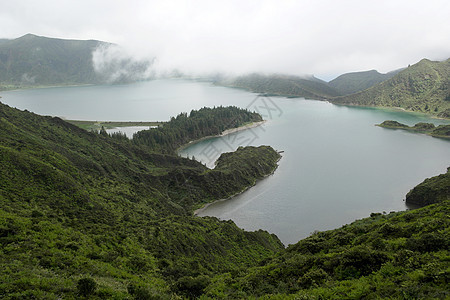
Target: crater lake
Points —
{"points": [[336, 165]]}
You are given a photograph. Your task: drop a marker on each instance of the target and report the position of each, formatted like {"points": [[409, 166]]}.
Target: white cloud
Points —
{"points": [[321, 37]]}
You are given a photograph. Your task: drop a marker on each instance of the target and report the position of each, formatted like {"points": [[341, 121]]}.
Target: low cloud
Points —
{"points": [[114, 64], [322, 37]]}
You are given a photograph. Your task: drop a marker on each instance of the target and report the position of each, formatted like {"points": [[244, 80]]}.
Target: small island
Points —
{"points": [[441, 131]]}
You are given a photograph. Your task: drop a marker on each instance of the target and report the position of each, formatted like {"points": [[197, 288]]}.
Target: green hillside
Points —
{"points": [[401, 255], [283, 85], [33, 60], [350, 83], [423, 87], [86, 213], [431, 190]]}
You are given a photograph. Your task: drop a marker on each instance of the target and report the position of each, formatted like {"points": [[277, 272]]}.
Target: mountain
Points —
{"points": [[350, 83], [41, 61], [35, 60], [423, 87], [282, 85]]}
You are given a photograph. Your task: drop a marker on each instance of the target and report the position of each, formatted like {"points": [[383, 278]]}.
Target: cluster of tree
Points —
{"points": [[198, 124]]}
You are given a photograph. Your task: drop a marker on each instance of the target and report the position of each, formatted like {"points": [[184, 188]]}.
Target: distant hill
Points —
{"points": [[423, 87], [35, 60], [350, 83], [41, 61], [283, 85]]}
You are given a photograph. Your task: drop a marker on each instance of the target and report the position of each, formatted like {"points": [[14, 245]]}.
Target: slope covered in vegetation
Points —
{"points": [[431, 190], [89, 215], [32, 60], [402, 255], [350, 83], [283, 85], [86, 214], [423, 87]]}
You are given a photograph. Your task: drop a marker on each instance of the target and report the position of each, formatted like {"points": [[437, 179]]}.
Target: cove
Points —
{"points": [[336, 165]]}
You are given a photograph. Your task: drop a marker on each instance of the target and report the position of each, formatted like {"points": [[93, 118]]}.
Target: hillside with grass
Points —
{"points": [[95, 216], [401, 255], [350, 83], [282, 85], [423, 87], [87, 214]]}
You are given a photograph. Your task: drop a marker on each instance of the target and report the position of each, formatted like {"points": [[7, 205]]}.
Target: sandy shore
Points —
{"points": [[226, 132]]}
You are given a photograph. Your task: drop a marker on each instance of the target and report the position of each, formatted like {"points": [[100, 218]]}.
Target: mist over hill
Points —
{"points": [[41, 61], [282, 85], [353, 82]]}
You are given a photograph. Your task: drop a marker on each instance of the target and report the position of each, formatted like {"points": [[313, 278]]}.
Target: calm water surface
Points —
{"points": [[336, 166]]}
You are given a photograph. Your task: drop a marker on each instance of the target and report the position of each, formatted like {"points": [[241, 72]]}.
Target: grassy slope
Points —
{"points": [[350, 83], [423, 87], [76, 204], [283, 85], [401, 255]]}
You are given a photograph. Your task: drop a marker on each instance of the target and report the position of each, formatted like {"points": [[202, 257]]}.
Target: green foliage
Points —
{"points": [[392, 124], [283, 85], [32, 61], [76, 204], [86, 286], [198, 124], [398, 255], [86, 214], [350, 83], [431, 190], [423, 87]]}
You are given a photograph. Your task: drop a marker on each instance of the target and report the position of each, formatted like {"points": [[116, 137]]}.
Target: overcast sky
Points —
{"points": [[324, 38]]}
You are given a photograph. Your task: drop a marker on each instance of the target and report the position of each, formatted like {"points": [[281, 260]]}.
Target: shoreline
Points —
{"points": [[393, 108], [198, 210], [224, 133], [46, 86]]}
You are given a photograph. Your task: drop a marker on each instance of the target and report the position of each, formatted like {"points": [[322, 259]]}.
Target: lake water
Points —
{"points": [[336, 165]]}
